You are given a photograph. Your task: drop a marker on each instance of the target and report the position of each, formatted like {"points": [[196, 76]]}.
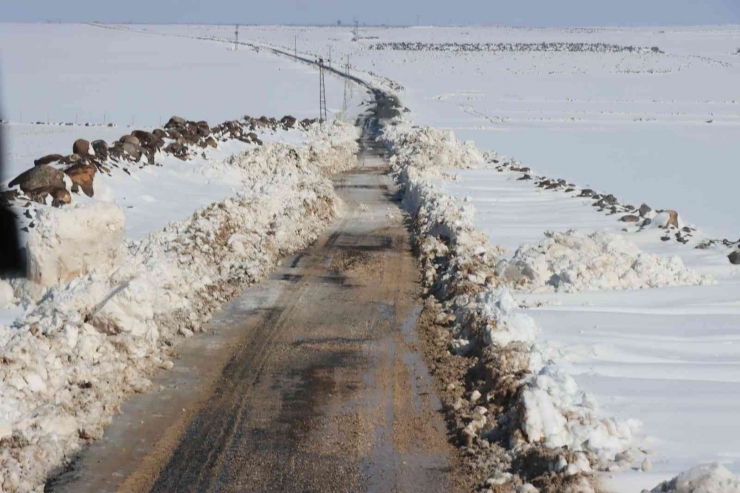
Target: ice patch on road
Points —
{"points": [[575, 261]]}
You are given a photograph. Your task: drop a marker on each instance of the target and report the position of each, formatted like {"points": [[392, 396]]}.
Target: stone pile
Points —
{"points": [[54, 176], [515, 47]]}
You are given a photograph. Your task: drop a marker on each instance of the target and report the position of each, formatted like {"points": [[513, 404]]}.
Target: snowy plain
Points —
{"points": [[643, 126]]}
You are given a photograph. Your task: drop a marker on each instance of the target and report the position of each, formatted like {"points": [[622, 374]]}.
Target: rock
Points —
{"points": [[175, 121], [37, 177], [610, 199], [210, 141], [51, 158], [586, 192], [178, 150], [203, 129], [81, 147], [59, 195], [159, 133], [475, 396], [525, 177], [646, 465], [645, 210], [145, 138], [71, 159], [101, 149], [734, 258], [288, 121], [130, 139], [629, 218], [647, 222], [133, 150], [82, 176], [672, 218]]}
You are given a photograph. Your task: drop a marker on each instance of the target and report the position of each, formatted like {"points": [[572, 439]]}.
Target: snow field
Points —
{"points": [[549, 412], [643, 125], [72, 357]]}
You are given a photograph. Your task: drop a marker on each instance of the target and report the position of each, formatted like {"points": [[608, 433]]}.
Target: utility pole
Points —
{"points": [[295, 47], [322, 92], [346, 87], [236, 38], [329, 56]]}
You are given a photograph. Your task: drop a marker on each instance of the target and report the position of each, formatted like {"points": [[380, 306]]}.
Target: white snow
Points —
{"points": [[666, 356], [574, 261], [661, 355], [634, 124], [707, 478], [72, 241]]}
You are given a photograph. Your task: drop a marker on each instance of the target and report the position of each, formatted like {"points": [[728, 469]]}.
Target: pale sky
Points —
{"points": [[392, 12]]}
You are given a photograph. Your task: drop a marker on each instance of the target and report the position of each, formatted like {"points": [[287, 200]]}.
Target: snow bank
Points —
{"points": [[523, 405], [707, 478], [72, 241], [574, 262], [70, 360]]}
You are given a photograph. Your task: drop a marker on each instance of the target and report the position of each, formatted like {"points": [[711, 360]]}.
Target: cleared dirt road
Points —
{"points": [[320, 386]]}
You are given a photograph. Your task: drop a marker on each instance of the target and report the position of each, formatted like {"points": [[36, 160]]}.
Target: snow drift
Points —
{"points": [[574, 261], [708, 478]]}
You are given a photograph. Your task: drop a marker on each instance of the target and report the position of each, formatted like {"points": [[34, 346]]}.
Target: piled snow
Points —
{"points": [[72, 241], [508, 324], [70, 360], [6, 294], [558, 414], [575, 262], [549, 409], [707, 478], [555, 411]]}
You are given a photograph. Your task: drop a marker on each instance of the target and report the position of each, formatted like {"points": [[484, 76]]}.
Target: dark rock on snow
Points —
{"points": [[82, 176], [81, 147], [37, 177], [51, 158]]}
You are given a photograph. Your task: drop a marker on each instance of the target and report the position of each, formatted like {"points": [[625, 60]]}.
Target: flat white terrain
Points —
{"points": [[641, 125]]}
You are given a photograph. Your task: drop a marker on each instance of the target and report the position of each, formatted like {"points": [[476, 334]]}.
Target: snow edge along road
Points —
{"points": [[521, 421], [69, 363]]}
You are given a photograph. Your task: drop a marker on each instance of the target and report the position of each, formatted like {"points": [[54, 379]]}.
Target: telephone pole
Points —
{"points": [[346, 87], [236, 38], [295, 47], [322, 92]]}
